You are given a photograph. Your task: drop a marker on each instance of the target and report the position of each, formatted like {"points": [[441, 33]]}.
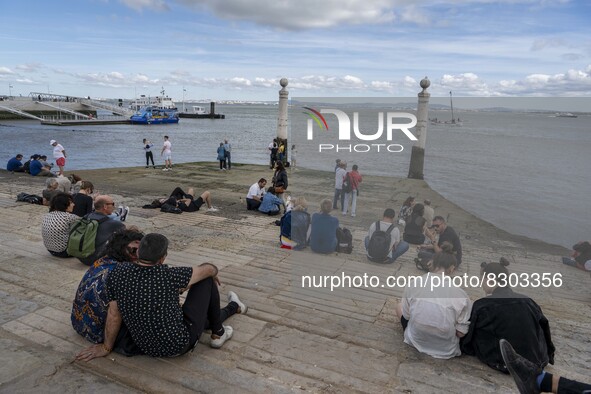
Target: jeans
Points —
{"points": [[401, 249], [353, 197], [201, 310], [229, 160], [338, 194], [149, 156]]}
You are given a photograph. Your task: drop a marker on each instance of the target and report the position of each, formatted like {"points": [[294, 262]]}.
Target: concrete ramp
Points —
{"points": [[19, 112], [70, 111]]}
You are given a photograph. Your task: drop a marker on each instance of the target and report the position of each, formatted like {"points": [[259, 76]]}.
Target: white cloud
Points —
{"points": [[302, 14], [29, 67], [466, 82], [139, 5], [6, 71], [240, 82]]}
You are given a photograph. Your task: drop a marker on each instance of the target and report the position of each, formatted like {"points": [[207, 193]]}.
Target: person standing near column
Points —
{"points": [[59, 154], [167, 154]]}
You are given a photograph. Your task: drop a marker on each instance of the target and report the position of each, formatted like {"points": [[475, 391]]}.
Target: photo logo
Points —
{"points": [[317, 116], [344, 130]]}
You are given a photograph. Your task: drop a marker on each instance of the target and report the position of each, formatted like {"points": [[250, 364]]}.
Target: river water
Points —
{"points": [[527, 173]]}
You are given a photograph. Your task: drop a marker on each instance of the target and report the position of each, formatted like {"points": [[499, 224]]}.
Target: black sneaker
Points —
{"points": [[523, 371]]}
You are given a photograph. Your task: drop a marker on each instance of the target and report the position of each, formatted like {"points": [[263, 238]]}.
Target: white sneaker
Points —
{"points": [[212, 209], [233, 297], [165, 169], [219, 342], [124, 214]]}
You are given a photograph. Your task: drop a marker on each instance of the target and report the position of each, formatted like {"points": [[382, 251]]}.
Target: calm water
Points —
{"points": [[526, 173]]}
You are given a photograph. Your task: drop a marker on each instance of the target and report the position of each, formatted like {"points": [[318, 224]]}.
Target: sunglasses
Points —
{"points": [[110, 203], [436, 225]]}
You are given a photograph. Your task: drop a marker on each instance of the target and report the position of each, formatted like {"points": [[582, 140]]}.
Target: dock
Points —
{"points": [[292, 339]]}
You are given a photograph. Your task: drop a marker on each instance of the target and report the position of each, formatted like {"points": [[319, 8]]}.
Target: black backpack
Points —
{"points": [[347, 184], [30, 198], [344, 240], [379, 244]]}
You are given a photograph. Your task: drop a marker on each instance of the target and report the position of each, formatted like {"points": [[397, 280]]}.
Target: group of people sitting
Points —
{"points": [[69, 200], [269, 201], [505, 330], [37, 165], [128, 301]]}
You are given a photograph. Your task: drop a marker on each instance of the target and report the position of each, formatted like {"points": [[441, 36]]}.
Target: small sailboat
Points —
{"points": [[453, 121]]}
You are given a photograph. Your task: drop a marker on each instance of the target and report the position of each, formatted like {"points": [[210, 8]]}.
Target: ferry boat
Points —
{"points": [[149, 115], [199, 112], [158, 102]]}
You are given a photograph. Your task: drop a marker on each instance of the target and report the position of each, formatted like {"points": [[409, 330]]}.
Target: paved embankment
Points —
{"points": [[292, 339]]}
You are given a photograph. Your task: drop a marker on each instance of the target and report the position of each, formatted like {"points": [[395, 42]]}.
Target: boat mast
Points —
{"points": [[184, 90], [452, 108]]}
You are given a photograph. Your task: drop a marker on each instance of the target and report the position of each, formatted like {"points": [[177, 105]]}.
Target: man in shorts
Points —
{"points": [[167, 154], [59, 154]]}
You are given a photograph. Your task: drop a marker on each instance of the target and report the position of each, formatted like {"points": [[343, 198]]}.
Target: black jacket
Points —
{"points": [[511, 316]]}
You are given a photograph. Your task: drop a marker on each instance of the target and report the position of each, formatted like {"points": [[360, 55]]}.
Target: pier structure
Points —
{"points": [[58, 109], [282, 117], [417, 157]]}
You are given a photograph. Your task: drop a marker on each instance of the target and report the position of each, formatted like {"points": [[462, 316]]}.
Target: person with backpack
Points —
{"points": [[351, 189], [382, 243], [96, 226], [55, 227]]}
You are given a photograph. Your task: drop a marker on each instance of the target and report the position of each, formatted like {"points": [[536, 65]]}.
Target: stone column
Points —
{"points": [[417, 157], [282, 118]]}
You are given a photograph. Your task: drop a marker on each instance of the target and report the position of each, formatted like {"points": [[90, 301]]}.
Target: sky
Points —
{"points": [[239, 50]]}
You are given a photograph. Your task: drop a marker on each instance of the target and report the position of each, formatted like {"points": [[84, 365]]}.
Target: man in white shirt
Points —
{"points": [[255, 195], [167, 154], [59, 154], [340, 173]]}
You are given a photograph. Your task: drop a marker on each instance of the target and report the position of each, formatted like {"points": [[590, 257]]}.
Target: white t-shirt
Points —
{"points": [[167, 148], [394, 235], [255, 190], [434, 316], [58, 151]]}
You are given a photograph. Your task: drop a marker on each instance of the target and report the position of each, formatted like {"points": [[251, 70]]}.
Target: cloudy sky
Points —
{"points": [[239, 49]]}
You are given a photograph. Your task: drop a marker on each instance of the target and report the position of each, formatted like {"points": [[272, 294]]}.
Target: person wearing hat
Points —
{"points": [[59, 154]]}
